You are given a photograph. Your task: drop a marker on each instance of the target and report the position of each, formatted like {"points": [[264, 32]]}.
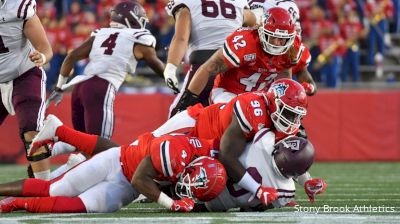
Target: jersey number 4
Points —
{"points": [[3, 49], [210, 9], [109, 44]]}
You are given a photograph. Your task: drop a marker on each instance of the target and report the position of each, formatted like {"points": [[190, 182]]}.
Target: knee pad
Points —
{"points": [[34, 158]]}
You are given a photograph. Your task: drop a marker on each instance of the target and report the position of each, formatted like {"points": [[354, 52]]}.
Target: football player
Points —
{"points": [[250, 60], [24, 49], [113, 53], [272, 165], [118, 174], [202, 26]]}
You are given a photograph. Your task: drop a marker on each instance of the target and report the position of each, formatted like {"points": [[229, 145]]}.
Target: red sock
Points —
{"points": [[57, 204], [35, 187], [84, 142]]}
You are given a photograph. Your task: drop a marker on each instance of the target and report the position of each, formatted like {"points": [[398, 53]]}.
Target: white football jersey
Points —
{"points": [[257, 159], [14, 46], [289, 5], [111, 57], [212, 21]]}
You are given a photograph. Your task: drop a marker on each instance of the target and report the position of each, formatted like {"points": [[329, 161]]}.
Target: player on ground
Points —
{"points": [[118, 174], [272, 165], [113, 52], [24, 48], [250, 60], [203, 27]]}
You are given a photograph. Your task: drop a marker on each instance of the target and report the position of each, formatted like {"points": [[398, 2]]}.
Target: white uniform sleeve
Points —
{"points": [[174, 5], [26, 9], [145, 38]]}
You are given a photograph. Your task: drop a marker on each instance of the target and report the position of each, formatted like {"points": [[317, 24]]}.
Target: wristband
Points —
{"points": [[247, 182], [61, 81], [165, 201]]}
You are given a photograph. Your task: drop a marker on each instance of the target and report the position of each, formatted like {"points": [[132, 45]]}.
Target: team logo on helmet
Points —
{"points": [[280, 88], [294, 145], [201, 179]]}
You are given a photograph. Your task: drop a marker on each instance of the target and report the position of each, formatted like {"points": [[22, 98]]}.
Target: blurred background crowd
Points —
{"points": [[351, 41]]}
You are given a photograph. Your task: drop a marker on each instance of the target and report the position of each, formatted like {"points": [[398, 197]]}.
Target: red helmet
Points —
{"points": [[293, 156], [130, 14], [203, 179], [287, 105], [277, 23]]}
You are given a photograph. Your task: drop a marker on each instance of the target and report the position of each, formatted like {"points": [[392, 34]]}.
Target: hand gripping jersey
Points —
{"points": [[14, 46], [170, 154], [111, 56], [250, 109], [251, 68], [257, 159], [212, 21]]}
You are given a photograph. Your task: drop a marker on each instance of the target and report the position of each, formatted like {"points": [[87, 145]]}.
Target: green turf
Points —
{"points": [[364, 185]]}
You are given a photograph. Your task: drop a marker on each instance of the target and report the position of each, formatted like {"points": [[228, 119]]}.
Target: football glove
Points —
{"points": [[170, 77], [188, 99], [309, 88], [56, 96], [183, 205], [266, 195], [313, 187]]}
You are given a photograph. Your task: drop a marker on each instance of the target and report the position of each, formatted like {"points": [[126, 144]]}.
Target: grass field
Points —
{"points": [[356, 193]]}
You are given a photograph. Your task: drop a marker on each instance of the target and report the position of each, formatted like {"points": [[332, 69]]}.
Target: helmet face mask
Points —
{"points": [[288, 103], [277, 23], [203, 179]]}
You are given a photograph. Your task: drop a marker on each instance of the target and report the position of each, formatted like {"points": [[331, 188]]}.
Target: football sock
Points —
{"points": [[58, 204], [83, 142], [44, 175], [62, 148], [35, 187]]}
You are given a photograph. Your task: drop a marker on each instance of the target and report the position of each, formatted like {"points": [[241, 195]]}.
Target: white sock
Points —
{"points": [[58, 172], [44, 175], [60, 148]]}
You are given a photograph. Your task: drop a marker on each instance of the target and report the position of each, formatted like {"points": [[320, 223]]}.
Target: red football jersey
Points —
{"points": [[305, 58], [170, 154], [250, 109], [250, 67]]}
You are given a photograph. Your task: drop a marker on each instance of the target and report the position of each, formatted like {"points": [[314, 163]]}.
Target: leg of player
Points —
{"points": [[39, 161], [58, 204]]}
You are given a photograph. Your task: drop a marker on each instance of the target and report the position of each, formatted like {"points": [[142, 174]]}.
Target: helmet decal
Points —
{"points": [[280, 88], [294, 145], [201, 179]]}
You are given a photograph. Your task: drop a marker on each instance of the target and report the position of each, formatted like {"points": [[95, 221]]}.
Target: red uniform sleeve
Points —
{"points": [[305, 58], [250, 111], [238, 45], [169, 157]]}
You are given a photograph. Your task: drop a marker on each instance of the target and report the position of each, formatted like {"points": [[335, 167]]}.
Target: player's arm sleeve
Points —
{"points": [[233, 49], [251, 119], [26, 9], [145, 38], [165, 160]]}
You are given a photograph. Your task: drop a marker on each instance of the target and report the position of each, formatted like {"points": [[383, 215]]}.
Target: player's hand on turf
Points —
{"points": [[188, 99], [56, 96], [183, 205], [313, 187], [266, 195]]}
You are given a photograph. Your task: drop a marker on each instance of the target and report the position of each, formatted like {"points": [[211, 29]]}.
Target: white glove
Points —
{"points": [[56, 96], [170, 77]]}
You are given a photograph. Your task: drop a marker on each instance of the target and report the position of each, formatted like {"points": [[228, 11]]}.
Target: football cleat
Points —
{"points": [[46, 135], [7, 205]]}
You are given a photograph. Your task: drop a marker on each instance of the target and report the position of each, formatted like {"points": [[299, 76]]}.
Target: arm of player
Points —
{"points": [[304, 77], [143, 181], [249, 18], [178, 46], [150, 56], [35, 33], [75, 55], [286, 73]]}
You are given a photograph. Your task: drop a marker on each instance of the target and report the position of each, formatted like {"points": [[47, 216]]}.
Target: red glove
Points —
{"points": [[313, 187], [309, 88], [183, 205], [266, 195]]}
